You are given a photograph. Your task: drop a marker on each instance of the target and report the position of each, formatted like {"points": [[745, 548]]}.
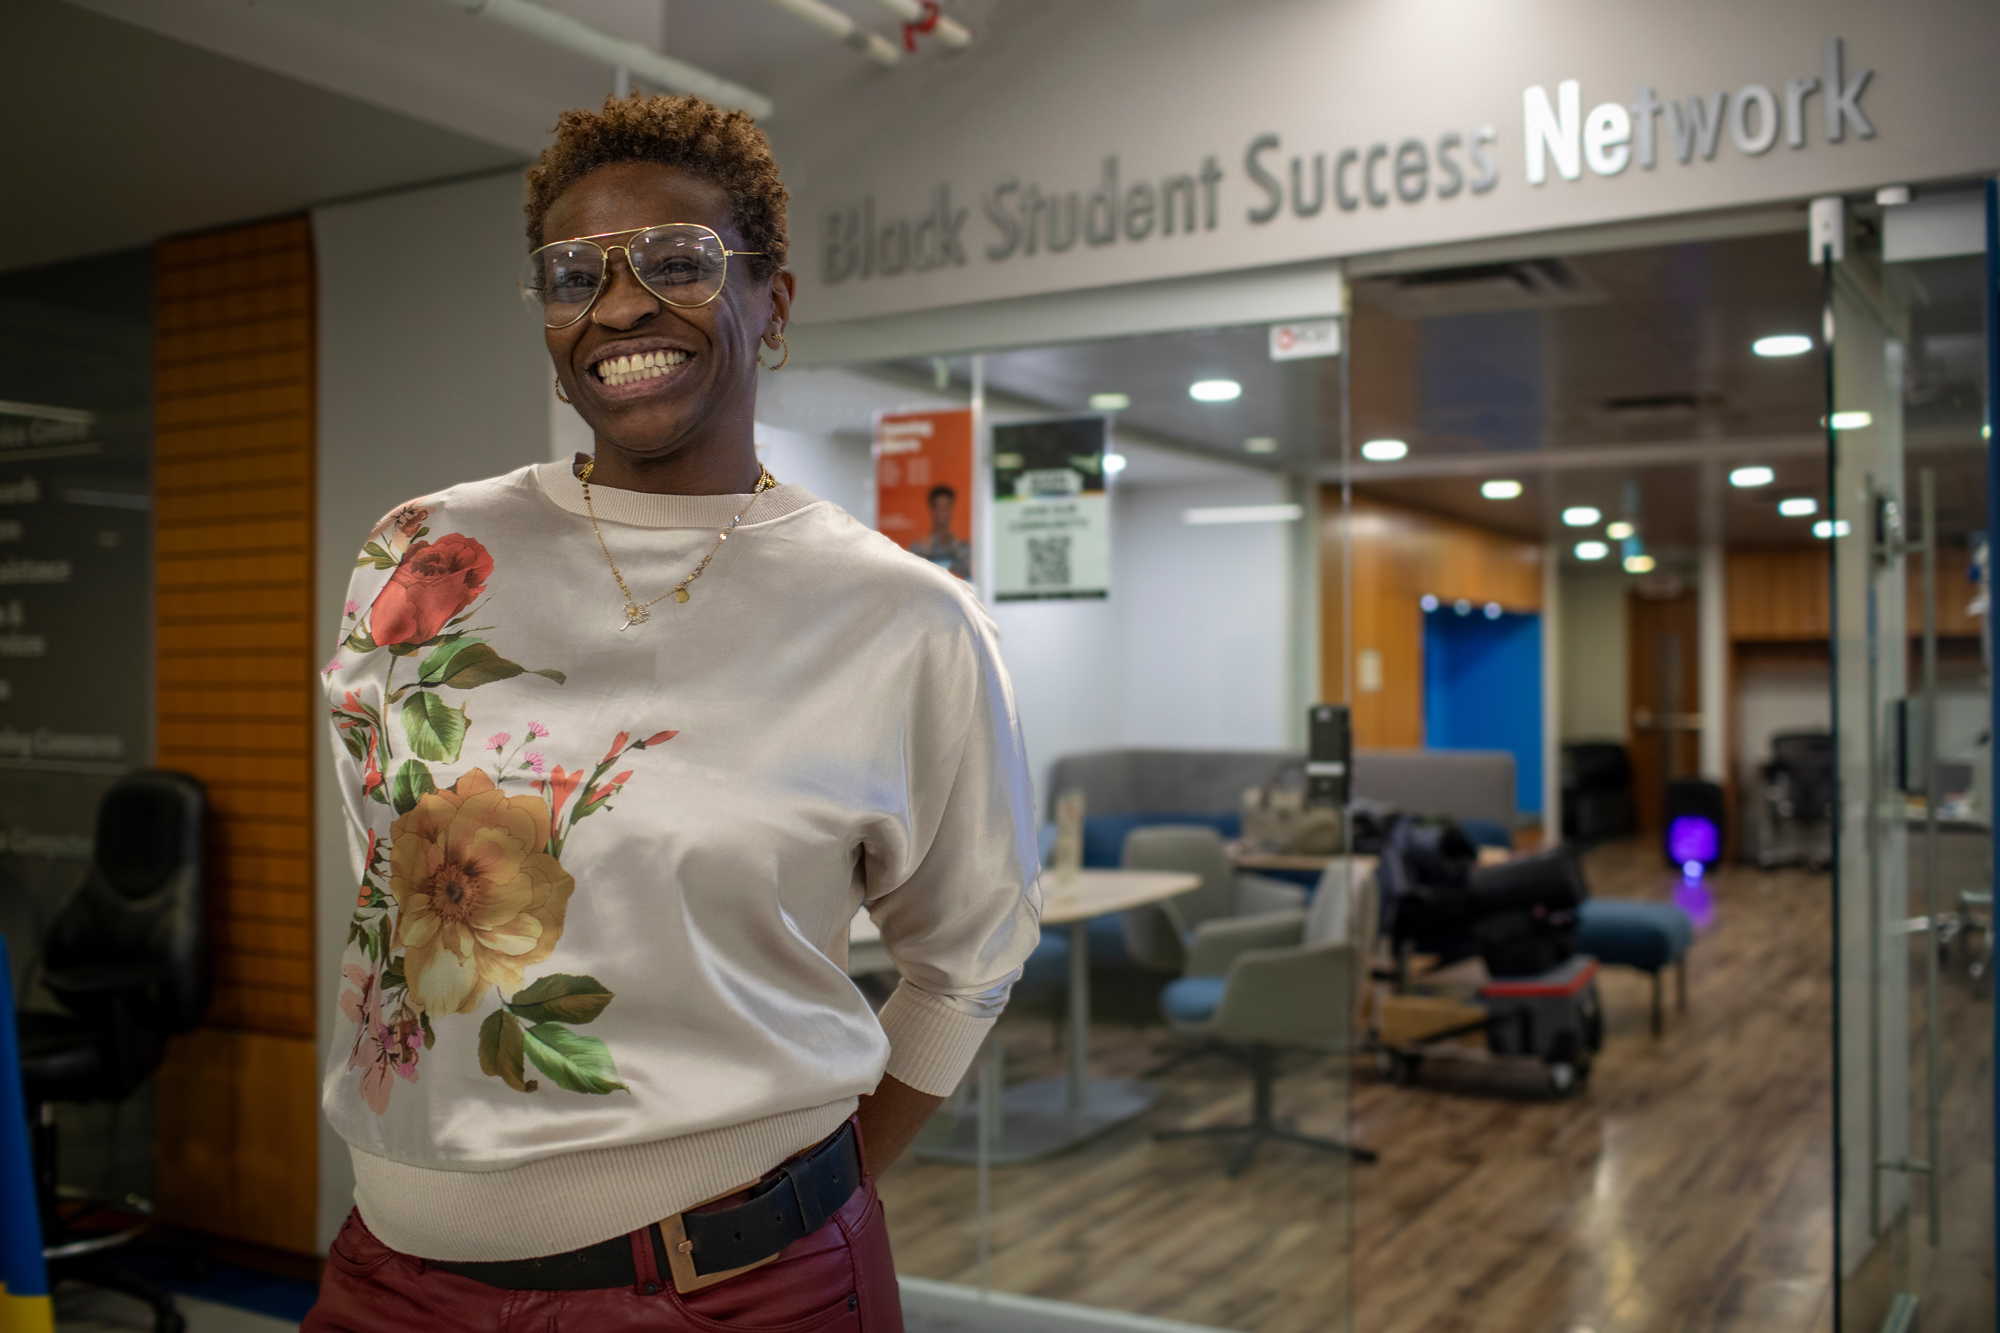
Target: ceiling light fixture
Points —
{"points": [[1428, 601], [1836, 527], [1799, 506], [1852, 420], [1109, 402], [1619, 531], [1639, 564], [1113, 464], [1500, 490], [1384, 451], [1580, 516], [1493, 610], [1592, 550], [1752, 476], [1260, 444], [1462, 606], [1215, 391], [1783, 344], [1243, 514]]}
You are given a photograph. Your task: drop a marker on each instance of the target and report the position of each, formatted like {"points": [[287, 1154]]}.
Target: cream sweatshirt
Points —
{"points": [[596, 969]]}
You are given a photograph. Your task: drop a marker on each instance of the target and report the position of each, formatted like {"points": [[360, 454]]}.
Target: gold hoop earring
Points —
{"points": [[559, 393], [781, 360]]}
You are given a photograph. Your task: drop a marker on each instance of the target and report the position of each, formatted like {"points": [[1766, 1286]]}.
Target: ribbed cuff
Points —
{"points": [[930, 1043]]}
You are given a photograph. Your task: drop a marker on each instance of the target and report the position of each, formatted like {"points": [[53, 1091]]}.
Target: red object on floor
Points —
{"points": [[840, 1279]]}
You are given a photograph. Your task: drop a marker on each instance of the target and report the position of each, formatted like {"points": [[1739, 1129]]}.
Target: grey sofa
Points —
{"points": [[1466, 784]]}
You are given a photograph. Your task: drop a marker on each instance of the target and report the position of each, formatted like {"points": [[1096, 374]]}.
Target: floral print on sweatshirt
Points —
{"points": [[467, 893]]}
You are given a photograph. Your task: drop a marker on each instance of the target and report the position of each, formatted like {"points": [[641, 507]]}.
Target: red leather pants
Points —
{"points": [[840, 1279]]}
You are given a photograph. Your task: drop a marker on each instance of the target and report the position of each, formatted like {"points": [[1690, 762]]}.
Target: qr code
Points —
{"points": [[1048, 562]]}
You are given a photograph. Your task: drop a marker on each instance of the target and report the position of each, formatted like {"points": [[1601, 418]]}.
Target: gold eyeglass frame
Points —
{"points": [[607, 251]]}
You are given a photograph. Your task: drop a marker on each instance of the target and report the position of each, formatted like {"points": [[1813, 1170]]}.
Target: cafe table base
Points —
{"points": [[1037, 1121]]}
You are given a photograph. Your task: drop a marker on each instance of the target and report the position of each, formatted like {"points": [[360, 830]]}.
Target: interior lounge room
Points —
{"points": [[1450, 576]]}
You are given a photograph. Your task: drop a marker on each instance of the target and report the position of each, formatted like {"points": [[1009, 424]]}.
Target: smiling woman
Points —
{"points": [[532, 1142]]}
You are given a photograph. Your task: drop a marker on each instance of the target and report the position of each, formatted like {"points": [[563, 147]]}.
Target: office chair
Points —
{"points": [[1156, 936], [1596, 791], [127, 956], [1797, 814], [1278, 979]]}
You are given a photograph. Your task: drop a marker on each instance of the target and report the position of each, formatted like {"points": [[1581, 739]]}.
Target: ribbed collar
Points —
{"points": [[645, 510]]}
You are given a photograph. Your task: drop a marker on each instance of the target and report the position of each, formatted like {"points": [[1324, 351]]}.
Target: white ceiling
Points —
{"points": [[147, 118]]}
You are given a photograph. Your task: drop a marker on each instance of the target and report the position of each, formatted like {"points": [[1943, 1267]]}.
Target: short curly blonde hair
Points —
{"points": [[724, 148]]}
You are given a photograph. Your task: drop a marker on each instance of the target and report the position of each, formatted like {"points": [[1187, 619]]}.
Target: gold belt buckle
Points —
{"points": [[680, 1252]]}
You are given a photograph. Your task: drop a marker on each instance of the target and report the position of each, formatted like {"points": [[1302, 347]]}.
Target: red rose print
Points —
{"points": [[435, 581]]}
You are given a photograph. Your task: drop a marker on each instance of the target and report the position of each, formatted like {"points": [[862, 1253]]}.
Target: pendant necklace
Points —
{"points": [[636, 612]]}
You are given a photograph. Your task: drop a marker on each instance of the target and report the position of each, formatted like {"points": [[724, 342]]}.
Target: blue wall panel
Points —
{"points": [[1483, 690]]}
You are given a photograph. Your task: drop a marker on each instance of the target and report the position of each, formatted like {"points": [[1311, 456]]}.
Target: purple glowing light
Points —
{"points": [[1693, 838], [1692, 896]]}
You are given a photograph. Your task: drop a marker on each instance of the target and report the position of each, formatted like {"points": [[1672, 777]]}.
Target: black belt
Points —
{"points": [[789, 1204]]}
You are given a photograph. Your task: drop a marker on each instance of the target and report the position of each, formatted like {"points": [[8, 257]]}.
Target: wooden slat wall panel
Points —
{"points": [[236, 1119], [236, 704], [1399, 555], [1780, 596], [1777, 595]]}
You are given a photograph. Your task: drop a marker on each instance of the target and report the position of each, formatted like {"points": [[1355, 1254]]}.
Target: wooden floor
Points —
{"points": [[1688, 1187]]}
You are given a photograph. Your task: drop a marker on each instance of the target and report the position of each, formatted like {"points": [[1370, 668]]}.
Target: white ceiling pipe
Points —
{"points": [[843, 29], [643, 62], [949, 31]]}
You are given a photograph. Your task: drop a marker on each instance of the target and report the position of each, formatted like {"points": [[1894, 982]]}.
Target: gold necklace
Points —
{"points": [[635, 610]]}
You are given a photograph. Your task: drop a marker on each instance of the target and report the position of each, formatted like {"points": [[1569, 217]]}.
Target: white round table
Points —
{"points": [[1045, 1116]]}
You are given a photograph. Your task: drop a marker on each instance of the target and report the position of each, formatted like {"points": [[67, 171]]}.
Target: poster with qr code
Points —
{"points": [[1051, 514]]}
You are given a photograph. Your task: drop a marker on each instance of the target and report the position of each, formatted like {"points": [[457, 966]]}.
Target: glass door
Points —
{"points": [[1906, 525]]}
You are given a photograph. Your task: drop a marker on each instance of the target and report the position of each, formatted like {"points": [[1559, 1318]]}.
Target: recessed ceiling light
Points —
{"points": [[1619, 531], [1638, 564], [1109, 402], [1592, 550], [1783, 344], [1500, 490], [1493, 610], [1836, 527], [1384, 451], [1260, 444], [1752, 476], [1852, 420], [1580, 516], [1799, 506], [1215, 391], [1113, 464], [1462, 606], [1428, 601], [1243, 514]]}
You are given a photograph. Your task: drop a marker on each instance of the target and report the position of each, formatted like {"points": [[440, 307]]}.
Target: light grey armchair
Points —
{"points": [[1156, 937], [1280, 979]]}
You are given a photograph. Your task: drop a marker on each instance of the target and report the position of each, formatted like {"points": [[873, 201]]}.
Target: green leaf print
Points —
{"points": [[500, 1048], [561, 998], [572, 1060], [553, 674], [435, 731], [474, 663], [413, 783]]}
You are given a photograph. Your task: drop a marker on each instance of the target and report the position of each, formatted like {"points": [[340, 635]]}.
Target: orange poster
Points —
{"points": [[923, 485]]}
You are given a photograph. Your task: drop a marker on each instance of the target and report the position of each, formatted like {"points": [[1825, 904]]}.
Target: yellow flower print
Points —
{"points": [[479, 898]]}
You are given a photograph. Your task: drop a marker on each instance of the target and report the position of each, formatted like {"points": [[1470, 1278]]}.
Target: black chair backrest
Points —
{"points": [[1596, 766], [1806, 760], [134, 935]]}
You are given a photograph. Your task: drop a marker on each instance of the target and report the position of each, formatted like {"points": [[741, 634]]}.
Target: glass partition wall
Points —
{"points": [[1144, 530], [1904, 413]]}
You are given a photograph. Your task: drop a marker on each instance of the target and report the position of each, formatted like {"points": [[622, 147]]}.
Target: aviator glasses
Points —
{"points": [[682, 263]]}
